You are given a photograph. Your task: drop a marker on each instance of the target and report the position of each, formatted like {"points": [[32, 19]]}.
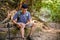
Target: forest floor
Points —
{"points": [[42, 32]]}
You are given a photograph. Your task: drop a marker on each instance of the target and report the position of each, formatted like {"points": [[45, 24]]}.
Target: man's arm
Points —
{"points": [[15, 21], [29, 19], [15, 18]]}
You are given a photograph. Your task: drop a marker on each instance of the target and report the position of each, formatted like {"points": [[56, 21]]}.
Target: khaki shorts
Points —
{"points": [[27, 25]]}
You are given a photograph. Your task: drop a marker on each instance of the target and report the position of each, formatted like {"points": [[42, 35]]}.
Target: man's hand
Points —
{"points": [[27, 23], [21, 24]]}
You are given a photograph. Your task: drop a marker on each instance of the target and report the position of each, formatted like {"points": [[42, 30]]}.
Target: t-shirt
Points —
{"points": [[22, 17]]}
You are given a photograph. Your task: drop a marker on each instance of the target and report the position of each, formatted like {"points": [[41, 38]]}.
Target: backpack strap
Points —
{"points": [[27, 16], [19, 13]]}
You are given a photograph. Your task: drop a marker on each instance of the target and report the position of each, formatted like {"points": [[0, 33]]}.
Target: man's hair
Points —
{"points": [[24, 6]]}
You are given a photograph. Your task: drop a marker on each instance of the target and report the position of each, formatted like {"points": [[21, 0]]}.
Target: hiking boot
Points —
{"points": [[29, 37]]}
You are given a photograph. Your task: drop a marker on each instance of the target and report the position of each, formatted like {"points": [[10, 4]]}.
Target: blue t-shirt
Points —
{"points": [[22, 17]]}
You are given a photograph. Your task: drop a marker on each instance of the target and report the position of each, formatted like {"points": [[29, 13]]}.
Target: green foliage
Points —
{"points": [[54, 6], [36, 5]]}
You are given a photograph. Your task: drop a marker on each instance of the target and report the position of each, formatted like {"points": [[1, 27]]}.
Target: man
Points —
{"points": [[23, 20]]}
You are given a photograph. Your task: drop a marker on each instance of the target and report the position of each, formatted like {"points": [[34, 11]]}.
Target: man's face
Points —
{"points": [[24, 10]]}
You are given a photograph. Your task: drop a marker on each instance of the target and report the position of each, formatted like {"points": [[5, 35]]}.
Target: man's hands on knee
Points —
{"points": [[21, 25]]}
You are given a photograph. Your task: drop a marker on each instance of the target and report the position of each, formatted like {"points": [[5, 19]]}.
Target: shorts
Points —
{"points": [[27, 25]]}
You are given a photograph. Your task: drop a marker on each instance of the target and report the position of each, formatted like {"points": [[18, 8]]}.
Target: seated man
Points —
{"points": [[23, 18]]}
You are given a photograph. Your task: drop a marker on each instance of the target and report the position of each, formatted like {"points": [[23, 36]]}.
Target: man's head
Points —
{"points": [[24, 8]]}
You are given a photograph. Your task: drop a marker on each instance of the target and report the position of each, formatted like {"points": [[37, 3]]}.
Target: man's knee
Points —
{"points": [[22, 25], [34, 25]]}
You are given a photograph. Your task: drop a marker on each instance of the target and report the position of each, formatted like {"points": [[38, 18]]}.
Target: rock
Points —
{"points": [[54, 25], [3, 35], [45, 36]]}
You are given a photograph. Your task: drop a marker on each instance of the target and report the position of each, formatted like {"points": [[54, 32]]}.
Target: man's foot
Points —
{"points": [[29, 37]]}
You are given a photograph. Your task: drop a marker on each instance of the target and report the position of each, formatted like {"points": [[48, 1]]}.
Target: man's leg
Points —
{"points": [[22, 26], [33, 27]]}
